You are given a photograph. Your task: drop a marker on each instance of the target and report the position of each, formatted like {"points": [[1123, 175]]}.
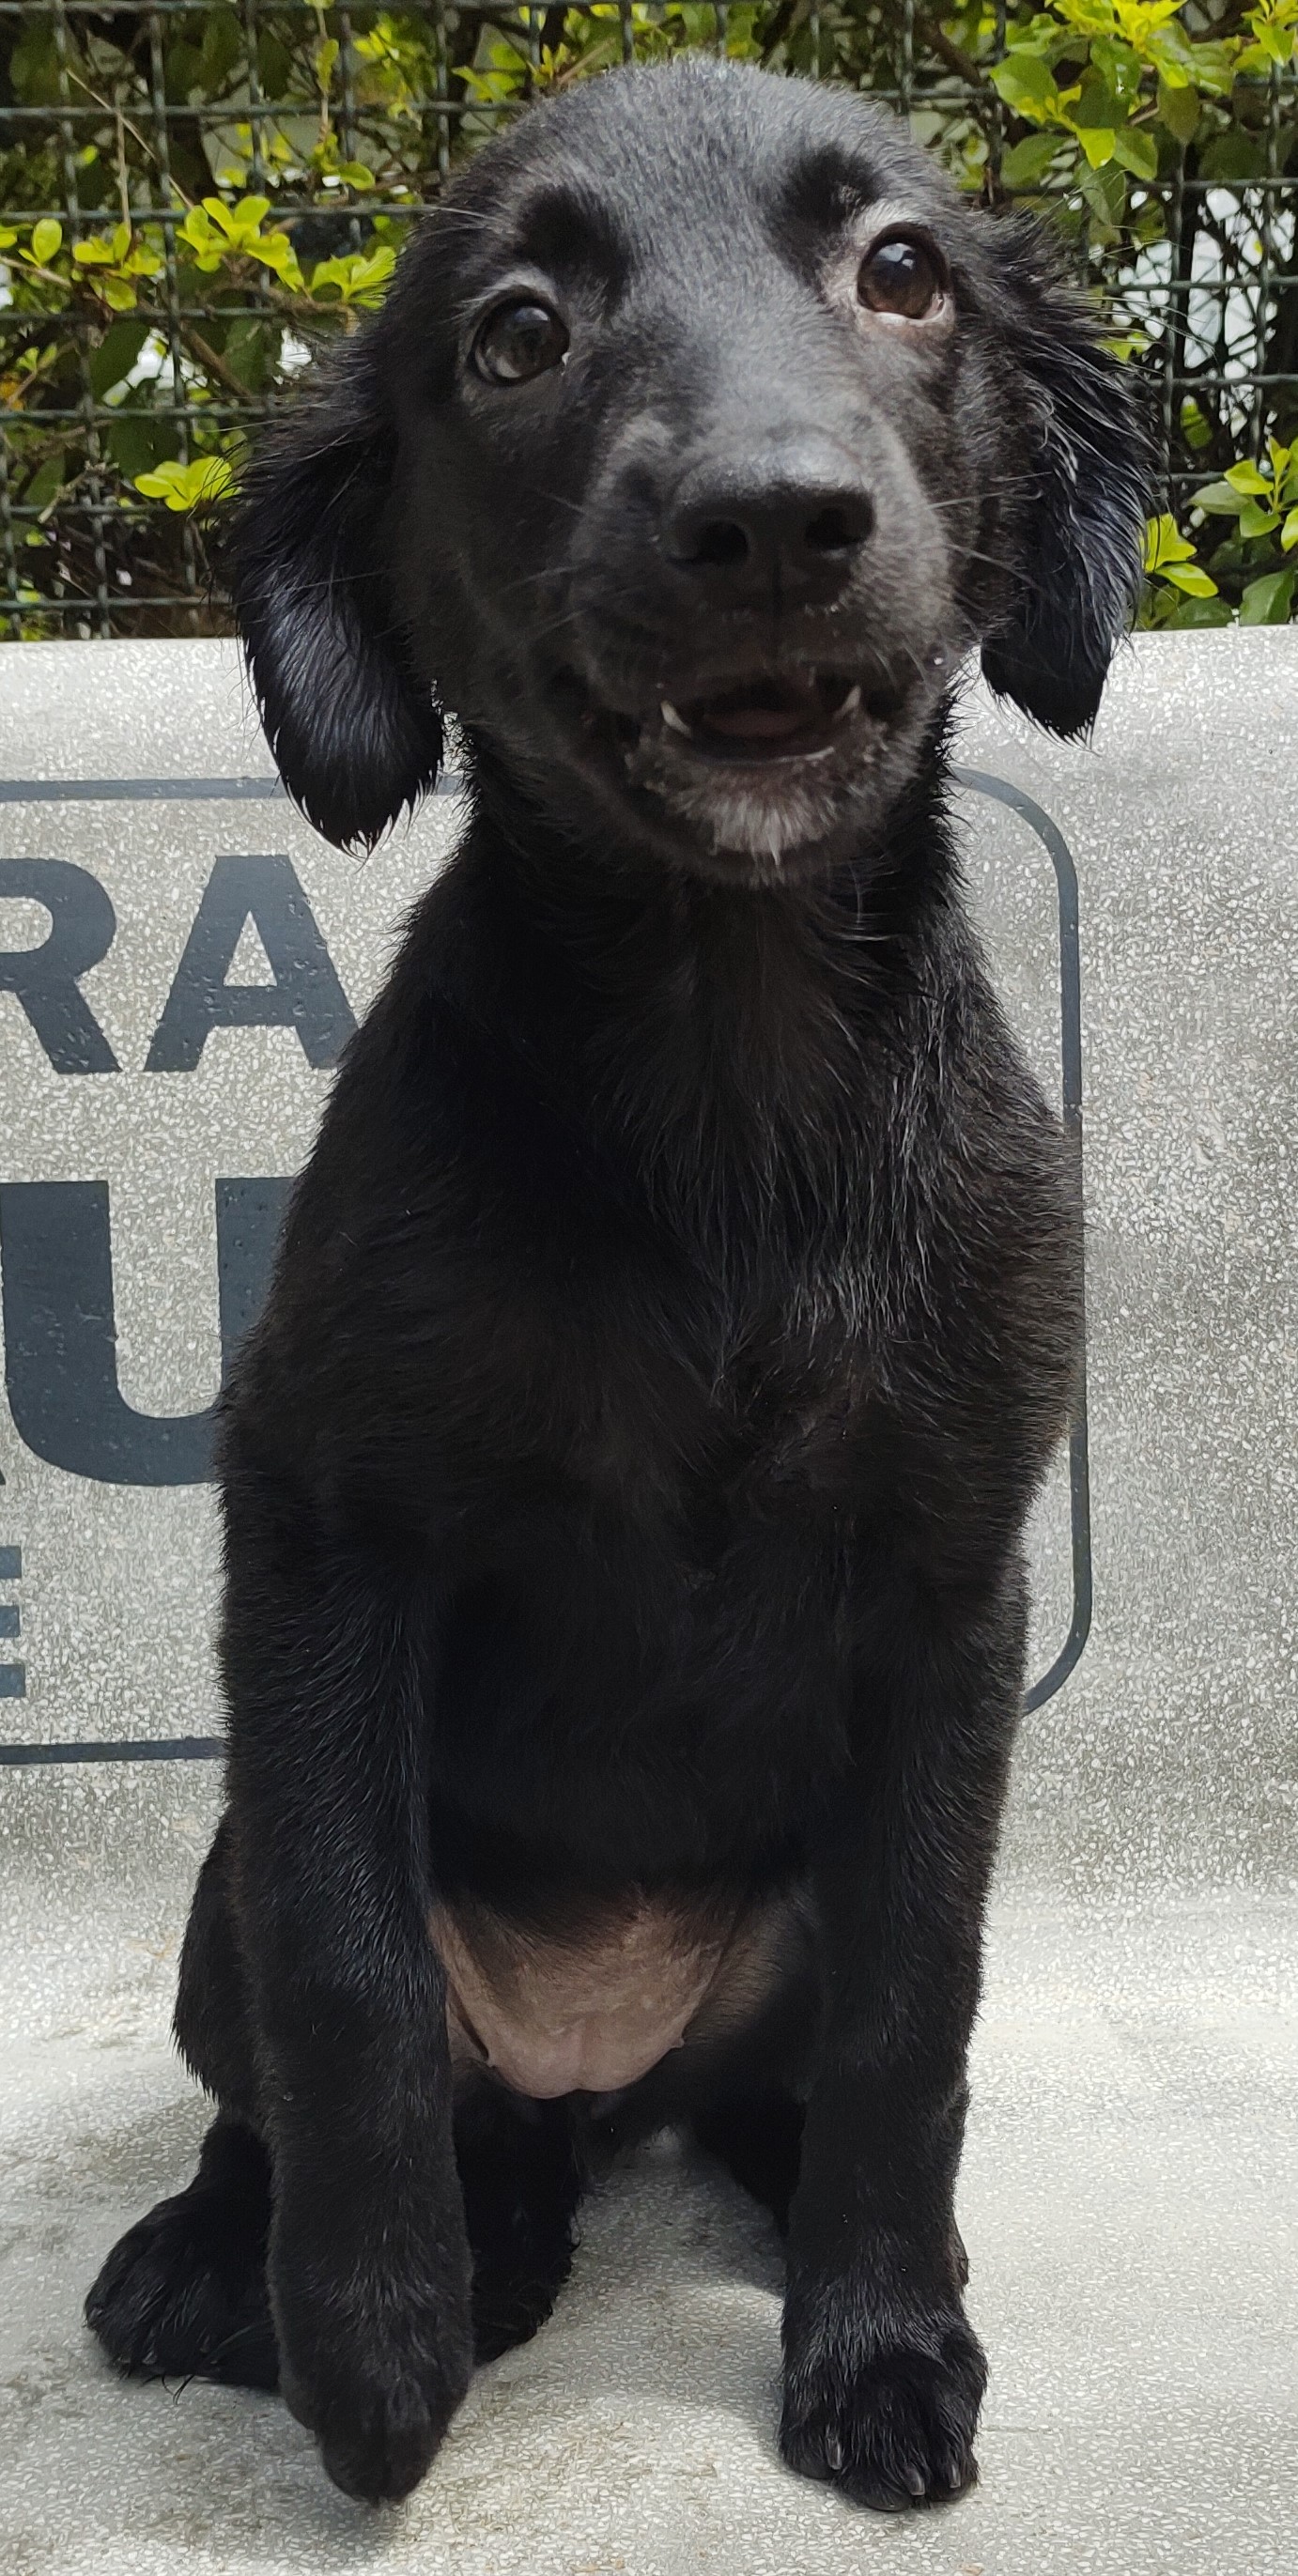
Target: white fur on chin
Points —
{"points": [[755, 821]]}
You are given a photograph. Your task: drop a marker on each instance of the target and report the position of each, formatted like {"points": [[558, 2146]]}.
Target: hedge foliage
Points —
{"points": [[291, 147]]}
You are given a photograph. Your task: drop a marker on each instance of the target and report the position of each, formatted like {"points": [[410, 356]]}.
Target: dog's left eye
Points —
{"points": [[901, 275], [518, 341]]}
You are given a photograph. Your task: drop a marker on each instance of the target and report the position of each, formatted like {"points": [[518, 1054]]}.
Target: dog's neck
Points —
{"points": [[717, 1043]]}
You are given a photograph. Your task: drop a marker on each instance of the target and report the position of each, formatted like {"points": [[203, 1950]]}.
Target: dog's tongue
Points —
{"points": [[767, 713]]}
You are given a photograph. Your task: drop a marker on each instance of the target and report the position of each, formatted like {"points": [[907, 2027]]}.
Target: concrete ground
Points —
{"points": [[1130, 2188], [1128, 2199]]}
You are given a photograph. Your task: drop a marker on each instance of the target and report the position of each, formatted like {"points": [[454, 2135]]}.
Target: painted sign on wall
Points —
{"points": [[175, 989]]}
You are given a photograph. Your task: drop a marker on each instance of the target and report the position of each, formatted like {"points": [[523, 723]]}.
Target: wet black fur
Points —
{"points": [[625, 1485]]}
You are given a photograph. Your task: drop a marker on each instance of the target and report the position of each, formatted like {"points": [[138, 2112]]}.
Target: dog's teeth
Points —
{"points": [[850, 703], [672, 716]]}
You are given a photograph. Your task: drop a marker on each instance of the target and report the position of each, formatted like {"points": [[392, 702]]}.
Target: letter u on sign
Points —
{"points": [[61, 1332]]}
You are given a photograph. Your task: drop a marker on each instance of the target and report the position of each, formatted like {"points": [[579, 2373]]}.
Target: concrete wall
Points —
{"points": [[1173, 1747], [1128, 2192]]}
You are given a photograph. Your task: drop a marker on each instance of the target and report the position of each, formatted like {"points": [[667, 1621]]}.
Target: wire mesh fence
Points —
{"points": [[195, 195]]}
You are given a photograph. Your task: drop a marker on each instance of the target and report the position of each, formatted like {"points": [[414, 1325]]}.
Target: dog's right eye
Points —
{"points": [[902, 274], [518, 341]]}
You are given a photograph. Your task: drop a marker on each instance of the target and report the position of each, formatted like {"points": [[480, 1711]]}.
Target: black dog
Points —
{"points": [[624, 1486]]}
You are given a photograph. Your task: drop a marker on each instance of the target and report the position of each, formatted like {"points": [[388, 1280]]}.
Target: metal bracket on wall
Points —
{"points": [[207, 1748]]}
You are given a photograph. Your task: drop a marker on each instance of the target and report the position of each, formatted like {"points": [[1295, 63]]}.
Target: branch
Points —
{"points": [[208, 360], [953, 55]]}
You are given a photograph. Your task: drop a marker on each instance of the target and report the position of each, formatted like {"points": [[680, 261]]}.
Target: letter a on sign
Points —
{"points": [[306, 994]]}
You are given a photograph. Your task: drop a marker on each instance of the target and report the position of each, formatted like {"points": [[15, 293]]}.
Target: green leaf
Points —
{"points": [[1190, 577], [1156, 606], [1289, 532], [1214, 68], [1189, 614], [187, 487], [1137, 151], [1245, 477], [1195, 430], [47, 240], [1176, 57], [1179, 111], [1267, 602], [1118, 67], [1276, 30], [1096, 105], [1233, 157], [1254, 521], [221, 48], [1027, 162], [1220, 499], [1024, 80], [1097, 142], [1105, 192], [251, 349], [135, 445], [1164, 543], [115, 356], [275, 251], [274, 64], [45, 482], [356, 277], [34, 66]]}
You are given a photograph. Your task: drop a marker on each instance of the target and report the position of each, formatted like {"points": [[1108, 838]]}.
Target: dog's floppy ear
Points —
{"points": [[1082, 517], [355, 736]]}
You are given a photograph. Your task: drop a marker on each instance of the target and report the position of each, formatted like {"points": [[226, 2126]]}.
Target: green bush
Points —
{"points": [[135, 352]]}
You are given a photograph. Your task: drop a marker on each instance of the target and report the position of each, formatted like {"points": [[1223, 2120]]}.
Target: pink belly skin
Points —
{"points": [[588, 2016]]}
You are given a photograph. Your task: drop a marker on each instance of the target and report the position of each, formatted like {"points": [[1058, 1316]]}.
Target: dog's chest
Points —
{"points": [[718, 1422], [657, 1638]]}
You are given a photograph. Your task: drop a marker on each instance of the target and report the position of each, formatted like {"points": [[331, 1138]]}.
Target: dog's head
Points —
{"points": [[704, 432]]}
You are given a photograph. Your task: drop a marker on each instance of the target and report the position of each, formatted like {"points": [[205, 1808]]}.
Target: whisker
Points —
{"points": [[968, 500]]}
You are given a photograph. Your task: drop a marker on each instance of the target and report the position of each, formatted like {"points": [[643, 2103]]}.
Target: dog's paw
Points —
{"points": [[521, 2181], [512, 2301], [183, 2294], [884, 2407], [379, 2419], [377, 2380]]}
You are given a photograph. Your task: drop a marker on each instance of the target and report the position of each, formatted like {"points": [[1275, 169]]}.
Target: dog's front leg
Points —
{"points": [[326, 1668], [883, 2373]]}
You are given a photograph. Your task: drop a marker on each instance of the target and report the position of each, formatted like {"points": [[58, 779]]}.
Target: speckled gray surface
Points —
{"points": [[1129, 2193]]}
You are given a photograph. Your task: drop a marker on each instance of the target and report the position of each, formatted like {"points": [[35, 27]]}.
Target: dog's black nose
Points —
{"points": [[791, 521]]}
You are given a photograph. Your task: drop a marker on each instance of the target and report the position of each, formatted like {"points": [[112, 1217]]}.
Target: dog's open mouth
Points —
{"points": [[759, 721]]}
